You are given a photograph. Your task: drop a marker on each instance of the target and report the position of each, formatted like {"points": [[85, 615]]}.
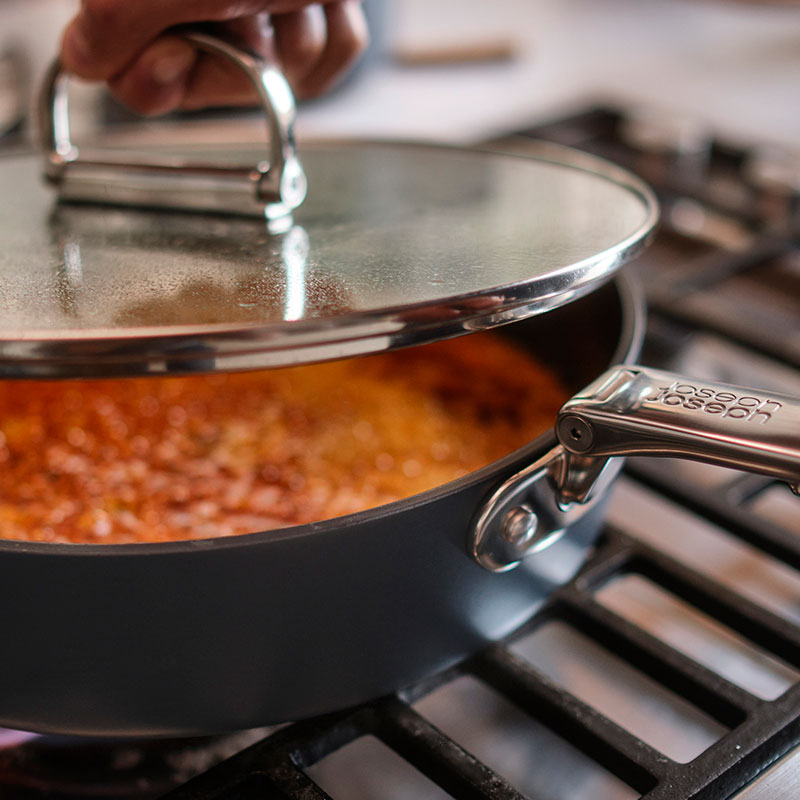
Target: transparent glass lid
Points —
{"points": [[394, 245]]}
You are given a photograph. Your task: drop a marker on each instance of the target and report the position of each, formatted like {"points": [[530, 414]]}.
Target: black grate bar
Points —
{"points": [[578, 129], [675, 186], [766, 345], [438, 757], [720, 699], [775, 634], [620, 752], [271, 781], [717, 509], [737, 758], [717, 266], [746, 487], [274, 765], [761, 732]]}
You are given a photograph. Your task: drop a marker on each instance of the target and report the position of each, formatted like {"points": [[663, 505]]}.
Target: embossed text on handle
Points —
{"points": [[640, 411]]}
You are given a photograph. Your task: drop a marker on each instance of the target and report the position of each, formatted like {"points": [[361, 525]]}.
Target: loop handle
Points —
{"points": [[271, 188]]}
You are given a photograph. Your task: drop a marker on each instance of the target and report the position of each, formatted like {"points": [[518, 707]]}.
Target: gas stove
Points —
{"points": [[670, 666]]}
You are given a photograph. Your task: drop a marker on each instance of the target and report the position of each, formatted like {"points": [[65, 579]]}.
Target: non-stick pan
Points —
{"points": [[219, 634], [406, 245]]}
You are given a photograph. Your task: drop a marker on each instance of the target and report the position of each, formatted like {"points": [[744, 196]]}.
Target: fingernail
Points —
{"points": [[170, 68]]}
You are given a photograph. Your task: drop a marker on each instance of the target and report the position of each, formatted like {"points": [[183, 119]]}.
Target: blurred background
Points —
{"points": [[466, 70]]}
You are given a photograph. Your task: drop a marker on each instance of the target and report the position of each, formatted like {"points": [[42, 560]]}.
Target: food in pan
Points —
{"points": [[158, 459]]}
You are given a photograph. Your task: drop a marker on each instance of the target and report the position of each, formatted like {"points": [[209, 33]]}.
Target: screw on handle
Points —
{"points": [[271, 188]]}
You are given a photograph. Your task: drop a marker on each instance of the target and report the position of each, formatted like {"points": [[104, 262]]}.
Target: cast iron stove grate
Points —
{"points": [[723, 280], [759, 731]]}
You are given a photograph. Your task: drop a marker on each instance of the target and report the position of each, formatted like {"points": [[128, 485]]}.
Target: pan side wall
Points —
{"points": [[228, 634], [263, 633]]}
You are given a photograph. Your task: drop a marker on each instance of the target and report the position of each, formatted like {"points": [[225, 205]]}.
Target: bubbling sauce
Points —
{"points": [[163, 459]]}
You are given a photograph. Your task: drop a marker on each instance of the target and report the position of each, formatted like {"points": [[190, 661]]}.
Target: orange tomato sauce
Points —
{"points": [[169, 458]]}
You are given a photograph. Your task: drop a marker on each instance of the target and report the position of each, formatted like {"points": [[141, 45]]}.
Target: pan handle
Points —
{"points": [[641, 411], [633, 411], [271, 188]]}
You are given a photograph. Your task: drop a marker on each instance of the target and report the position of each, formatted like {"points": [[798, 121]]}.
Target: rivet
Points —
{"points": [[519, 526]]}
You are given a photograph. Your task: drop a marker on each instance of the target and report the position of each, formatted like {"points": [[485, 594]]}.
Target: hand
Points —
{"points": [[124, 42]]}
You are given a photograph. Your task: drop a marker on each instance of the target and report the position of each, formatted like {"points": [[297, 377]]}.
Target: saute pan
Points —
{"points": [[218, 634]]}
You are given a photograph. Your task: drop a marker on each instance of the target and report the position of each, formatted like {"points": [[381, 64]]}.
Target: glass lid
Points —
{"points": [[242, 258], [394, 245]]}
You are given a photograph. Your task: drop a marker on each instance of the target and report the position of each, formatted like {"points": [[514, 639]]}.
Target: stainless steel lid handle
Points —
{"points": [[271, 188], [640, 411]]}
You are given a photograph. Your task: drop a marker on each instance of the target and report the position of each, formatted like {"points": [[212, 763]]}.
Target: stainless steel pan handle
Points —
{"points": [[270, 188], [640, 411], [633, 411]]}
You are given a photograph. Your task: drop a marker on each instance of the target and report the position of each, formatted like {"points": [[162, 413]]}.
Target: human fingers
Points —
{"points": [[158, 79], [314, 47], [170, 73], [106, 35], [163, 79], [346, 39], [299, 41]]}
